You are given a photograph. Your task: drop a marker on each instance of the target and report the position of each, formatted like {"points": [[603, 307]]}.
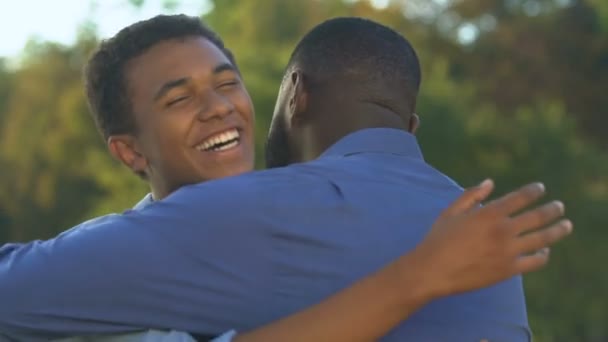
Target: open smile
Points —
{"points": [[222, 141]]}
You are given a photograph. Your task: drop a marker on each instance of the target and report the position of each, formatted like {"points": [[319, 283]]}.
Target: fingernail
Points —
{"points": [[560, 205], [541, 186], [568, 225], [486, 182]]}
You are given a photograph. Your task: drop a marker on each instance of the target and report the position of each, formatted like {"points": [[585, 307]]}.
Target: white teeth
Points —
{"points": [[222, 138], [227, 146]]}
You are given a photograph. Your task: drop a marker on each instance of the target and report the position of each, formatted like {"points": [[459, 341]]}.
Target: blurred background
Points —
{"points": [[516, 90]]}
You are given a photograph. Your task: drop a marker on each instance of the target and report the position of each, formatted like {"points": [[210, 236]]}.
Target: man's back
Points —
{"points": [[241, 252], [366, 201]]}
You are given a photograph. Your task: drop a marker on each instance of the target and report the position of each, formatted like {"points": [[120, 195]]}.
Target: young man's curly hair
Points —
{"points": [[105, 80]]}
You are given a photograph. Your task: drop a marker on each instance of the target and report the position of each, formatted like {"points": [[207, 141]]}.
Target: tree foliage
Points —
{"points": [[523, 100]]}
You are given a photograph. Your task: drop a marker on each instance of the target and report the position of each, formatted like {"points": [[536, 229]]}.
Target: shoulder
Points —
{"points": [[254, 188]]}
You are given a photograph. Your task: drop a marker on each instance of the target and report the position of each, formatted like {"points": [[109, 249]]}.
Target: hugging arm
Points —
{"points": [[493, 244], [110, 276]]}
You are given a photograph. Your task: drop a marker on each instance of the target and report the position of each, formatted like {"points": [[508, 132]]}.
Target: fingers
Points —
{"points": [[470, 198], [516, 200], [545, 237], [530, 263], [537, 217]]}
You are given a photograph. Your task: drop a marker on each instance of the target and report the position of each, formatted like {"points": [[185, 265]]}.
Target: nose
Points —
{"points": [[215, 106]]}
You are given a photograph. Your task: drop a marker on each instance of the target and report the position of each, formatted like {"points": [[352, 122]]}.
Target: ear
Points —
{"points": [[298, 97], [414, 123], [124, 148]]}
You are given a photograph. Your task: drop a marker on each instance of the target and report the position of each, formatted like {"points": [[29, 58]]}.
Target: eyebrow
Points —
{"points": [[223, 67], [170, 85], [182, 81]]}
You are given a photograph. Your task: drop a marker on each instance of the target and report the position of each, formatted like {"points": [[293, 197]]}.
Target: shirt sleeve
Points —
{"points": [[146, 336], [227, 337], [187, 263], [9, 247]]}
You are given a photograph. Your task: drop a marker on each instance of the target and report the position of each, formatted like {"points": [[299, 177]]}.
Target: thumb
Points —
{"points": [[470, 198]]}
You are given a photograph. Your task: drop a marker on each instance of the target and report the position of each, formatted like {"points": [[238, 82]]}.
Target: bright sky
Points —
{"points": [[58, 20]]}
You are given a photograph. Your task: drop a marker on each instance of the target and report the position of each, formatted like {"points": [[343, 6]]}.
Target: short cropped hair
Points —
{"points": [[360, 52]]}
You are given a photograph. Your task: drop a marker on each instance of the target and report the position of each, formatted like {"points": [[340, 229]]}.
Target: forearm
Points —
{"points": [[366, 311], [108, 276], [50, 288]]}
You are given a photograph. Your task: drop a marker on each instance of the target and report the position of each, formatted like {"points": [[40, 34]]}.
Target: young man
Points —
{"points": [[248, 250]]}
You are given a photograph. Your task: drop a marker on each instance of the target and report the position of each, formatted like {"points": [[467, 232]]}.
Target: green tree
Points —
{"points": [[51, 147], [521, 101], [536, 49], [470, 138]]}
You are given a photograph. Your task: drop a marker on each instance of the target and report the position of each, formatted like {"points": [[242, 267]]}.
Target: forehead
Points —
{"points": [[172, 59]]}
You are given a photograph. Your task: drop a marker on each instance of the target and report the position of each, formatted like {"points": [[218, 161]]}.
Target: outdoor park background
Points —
{"points": [[516, 90]]}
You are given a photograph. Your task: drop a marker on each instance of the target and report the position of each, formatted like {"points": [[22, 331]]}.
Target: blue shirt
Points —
{"points": [[148, 335], [243, 251]]}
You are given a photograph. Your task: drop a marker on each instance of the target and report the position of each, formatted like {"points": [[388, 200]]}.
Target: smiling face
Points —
{"points": [[193, 114]]}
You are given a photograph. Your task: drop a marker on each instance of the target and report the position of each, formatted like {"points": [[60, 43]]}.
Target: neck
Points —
{"points": [[160, 190], [332, 125]]}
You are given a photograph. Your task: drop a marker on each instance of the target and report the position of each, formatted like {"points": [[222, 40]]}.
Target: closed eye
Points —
{"points": [[228, 84], [177, 100]]}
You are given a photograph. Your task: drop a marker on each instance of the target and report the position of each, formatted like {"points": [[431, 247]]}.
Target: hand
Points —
{"points": [[471, 247]]}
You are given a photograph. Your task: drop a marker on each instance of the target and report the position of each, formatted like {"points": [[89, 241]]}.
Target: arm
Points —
{"points": [[488, 241], [124, 273], [364, 312], [97, 281]]}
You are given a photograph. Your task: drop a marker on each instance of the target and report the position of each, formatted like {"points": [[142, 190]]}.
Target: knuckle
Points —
{"points": [[560, 231], [544, 214], [545, 237], [531, 192], [511, 200], [487, 213], [552, 235], [535, 241], [518, 201], [506, 226], [498, 231], [504, 206]]}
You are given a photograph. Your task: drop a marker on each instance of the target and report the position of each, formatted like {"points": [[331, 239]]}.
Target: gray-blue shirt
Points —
{"points": [[243, 251]]}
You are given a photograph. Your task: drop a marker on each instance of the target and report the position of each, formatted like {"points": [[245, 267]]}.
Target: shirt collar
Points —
{"points": [[146, 201], [379, 140]]}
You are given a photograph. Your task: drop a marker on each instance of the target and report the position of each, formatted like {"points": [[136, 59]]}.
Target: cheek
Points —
{"points": [[243, 105], [169, 134]]}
